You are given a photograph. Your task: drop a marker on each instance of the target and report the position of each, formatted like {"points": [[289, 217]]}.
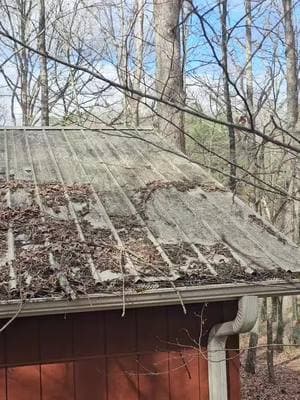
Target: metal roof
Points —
{"points": [[115, 213]]}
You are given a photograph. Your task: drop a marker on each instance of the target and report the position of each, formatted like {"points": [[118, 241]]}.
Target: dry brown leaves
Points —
{"points": [[287, 371], [49, 245], [140, 249], [182, 255], [141, 196]]}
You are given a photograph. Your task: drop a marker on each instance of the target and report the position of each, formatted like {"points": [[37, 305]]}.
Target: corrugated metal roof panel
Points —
{"points": [[86, 212]]}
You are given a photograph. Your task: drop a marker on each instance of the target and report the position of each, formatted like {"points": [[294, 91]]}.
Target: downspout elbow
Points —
{"points": [[217, 370]]}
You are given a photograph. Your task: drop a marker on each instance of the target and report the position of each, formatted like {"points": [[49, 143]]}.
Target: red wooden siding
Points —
{"points": [[24, 383], [2, 384], [150, 354], [233, 367]]}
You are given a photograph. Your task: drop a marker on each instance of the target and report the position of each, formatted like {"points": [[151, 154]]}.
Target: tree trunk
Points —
{"points": [[291, 64], [251, 139], [139, 57], [292, 212], [123, 71], [249, 70], [229, 116], [280, 324], [250, 365], [43, 79], [288, 319], [24, 66], [270, 349], [169, 76], [12, 107]]}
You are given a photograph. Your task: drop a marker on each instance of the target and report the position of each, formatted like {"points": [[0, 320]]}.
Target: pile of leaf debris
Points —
{"points": [[45, 248], [66, 256], [46, 252], [144, 194]]}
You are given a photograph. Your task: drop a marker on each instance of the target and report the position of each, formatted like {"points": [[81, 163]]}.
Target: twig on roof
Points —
{"points": [[159, 271], [2, 329], [123, 282]]}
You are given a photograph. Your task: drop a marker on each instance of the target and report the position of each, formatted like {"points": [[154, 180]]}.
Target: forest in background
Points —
{"points": [[220, 80]]}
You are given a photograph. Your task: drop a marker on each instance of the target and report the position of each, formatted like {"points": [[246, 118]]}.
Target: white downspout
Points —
{"points": [[217, 369]]}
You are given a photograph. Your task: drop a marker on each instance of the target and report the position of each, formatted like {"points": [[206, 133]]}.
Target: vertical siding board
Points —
{"points": [[203, 375], [2, 347], [90, 379], [184, 329], [184, 375], [120, 332], [23, 383], [153, 344], [2, 364], [56, 342], [233, 362], [154, 376], [212, 315], [121, 346], [122, 380], [183, 360], [57, 381], [234, 375], [22, 342], [233, 368], [88, 334], [152, 330], [2, 384]]}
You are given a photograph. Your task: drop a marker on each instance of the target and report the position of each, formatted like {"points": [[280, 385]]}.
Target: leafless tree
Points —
{"points": [[169, 77], [43, 79], [216, 86], [227, 98]]}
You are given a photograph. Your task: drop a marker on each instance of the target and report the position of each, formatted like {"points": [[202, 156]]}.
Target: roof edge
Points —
{"points": [[150, 298]]}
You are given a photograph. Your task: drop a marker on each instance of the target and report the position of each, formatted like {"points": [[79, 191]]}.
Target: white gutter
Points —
{"points": [[217, 368], [149, 298]]}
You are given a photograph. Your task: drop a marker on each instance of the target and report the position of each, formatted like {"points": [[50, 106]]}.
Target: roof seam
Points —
{"points": [[132, 207], [10, 236], [93, 269], [97, 198], [201, 257], [54, 265]]}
